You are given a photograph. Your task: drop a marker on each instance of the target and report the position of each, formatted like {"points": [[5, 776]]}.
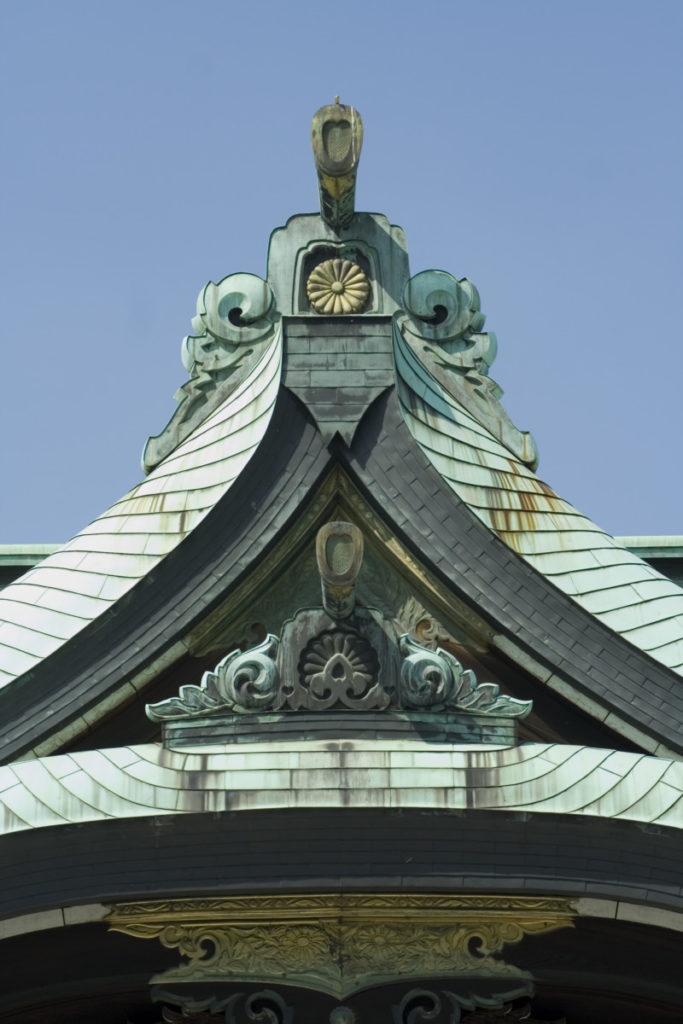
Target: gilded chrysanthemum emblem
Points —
{"points": [[337, 286]]}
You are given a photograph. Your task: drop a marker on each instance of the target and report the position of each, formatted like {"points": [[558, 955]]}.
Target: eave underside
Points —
{"points": [[604, 963]]}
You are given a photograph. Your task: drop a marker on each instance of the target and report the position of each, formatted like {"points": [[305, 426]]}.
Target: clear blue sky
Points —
{"points": [[148, 147]]}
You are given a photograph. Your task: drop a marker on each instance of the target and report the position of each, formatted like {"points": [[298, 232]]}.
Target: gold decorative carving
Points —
{"points": [[339, 943], [337, 286]]}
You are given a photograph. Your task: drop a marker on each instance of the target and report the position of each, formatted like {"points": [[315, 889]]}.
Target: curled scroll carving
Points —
{"points": [[235, 320], [437, 680], [446, 310], [427, 678], [338, 669], [446, 313], [261, 1007], [265, 1007], [446, 1007], [241, 683], [340, 657], [341, 943]]}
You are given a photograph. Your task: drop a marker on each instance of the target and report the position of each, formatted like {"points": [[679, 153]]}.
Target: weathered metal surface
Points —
{"points": [[395, 725], [235, 322], [61, 595], [337, 658], [442, 326], [25, 554], [339, 549], [378, 247], [130, 782], [338, 368], [592, 567], [665, 554]]}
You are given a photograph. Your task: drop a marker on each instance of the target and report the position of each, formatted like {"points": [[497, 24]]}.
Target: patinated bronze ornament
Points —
{"points": [[337, 658]]}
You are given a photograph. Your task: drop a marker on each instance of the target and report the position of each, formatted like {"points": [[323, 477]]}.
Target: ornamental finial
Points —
{"points": [[337, 137], [339, 553]]}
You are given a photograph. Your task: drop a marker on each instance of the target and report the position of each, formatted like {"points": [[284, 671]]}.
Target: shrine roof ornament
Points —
{"points": [[337, 138], [339, 658]]}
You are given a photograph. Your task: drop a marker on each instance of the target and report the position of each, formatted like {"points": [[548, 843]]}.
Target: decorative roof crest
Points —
{"points": [[340, 659]]}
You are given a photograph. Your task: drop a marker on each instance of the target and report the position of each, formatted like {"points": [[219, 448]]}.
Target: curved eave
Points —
{"points": [[148, 623], [76, 585], [540, 627], [534, 623], [590, 566], [144, 780], [293, 815]]}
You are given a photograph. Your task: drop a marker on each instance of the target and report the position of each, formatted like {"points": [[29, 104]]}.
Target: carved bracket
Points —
{"points": [[338, 668], [446, 1007], [340, 943], [416, 1005], [261, 1007]]}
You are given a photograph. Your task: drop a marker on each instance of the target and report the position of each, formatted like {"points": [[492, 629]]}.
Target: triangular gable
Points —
{"points": [[384, 407]]}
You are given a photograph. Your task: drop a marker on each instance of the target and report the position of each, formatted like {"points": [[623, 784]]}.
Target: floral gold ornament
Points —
{"points": [[337, 286], [340, 943]]}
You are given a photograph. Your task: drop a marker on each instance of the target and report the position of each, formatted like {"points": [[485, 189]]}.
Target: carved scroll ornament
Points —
{"points": [[442, 324], [338, 669], [446, 1007], [260, 1007], [241, 683], [418, 1005], [437, 680], [339, 657], [235, 320]]}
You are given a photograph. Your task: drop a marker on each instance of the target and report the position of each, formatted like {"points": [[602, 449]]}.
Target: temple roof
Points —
{"points": [[340, 378]]}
